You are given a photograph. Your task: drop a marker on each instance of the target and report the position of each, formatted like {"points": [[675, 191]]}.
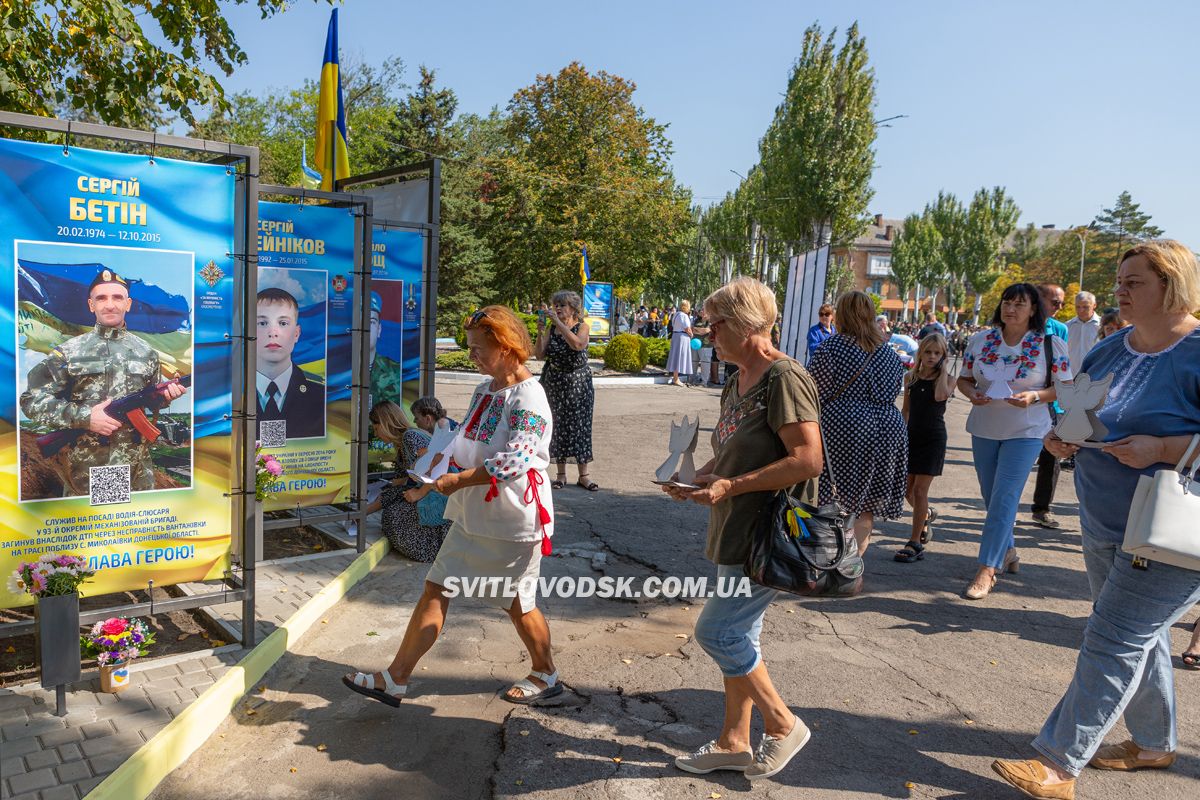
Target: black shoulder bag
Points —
{"points": [[1048, 341], [803, 549]]}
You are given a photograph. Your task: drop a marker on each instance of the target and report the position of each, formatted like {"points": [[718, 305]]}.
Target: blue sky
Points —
{"points": [[1064, 103]]}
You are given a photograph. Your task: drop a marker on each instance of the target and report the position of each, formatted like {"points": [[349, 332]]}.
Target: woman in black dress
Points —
{"points": [[567, 380], [859, 376], [401, 521], [926, 389]]}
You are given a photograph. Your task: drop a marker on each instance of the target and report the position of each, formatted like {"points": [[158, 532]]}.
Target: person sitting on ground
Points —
{"points": [[767, 438], [428, 413], [927, 387], [401, 521], [1153, 409], [502, 512]]}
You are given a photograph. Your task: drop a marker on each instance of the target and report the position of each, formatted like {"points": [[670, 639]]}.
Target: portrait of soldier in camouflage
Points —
{"points": [[70, 392], [387, 376]]}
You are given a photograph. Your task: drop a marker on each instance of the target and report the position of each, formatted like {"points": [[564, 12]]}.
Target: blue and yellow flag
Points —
{"points": [[309, 177], [333, 159], [585, 273]]}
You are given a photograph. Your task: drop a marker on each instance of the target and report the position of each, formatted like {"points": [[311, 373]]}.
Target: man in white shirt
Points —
{"points": [[1083, 331]]}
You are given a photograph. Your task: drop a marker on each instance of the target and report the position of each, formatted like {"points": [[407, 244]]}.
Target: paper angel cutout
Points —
{"points": [[436, 461], [682, 445], [994, 378], [1080, 401]]}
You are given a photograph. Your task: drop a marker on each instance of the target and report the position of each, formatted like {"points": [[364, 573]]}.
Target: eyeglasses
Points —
{"points": [[475, 318], [1056, 303]]}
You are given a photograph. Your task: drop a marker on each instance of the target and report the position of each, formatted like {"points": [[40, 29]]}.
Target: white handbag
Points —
{"points": [[1164, 517]]}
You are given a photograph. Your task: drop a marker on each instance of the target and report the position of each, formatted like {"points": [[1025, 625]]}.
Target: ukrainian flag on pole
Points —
{"points": [[333, 159], [585, 273]]}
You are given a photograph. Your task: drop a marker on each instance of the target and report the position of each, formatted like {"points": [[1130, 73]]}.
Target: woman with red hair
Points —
{"points": [[501, 513]]}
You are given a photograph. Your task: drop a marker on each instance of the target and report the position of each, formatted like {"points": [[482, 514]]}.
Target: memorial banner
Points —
{"points": [[397, 262], [303, 345], [598, 308], [116, 306]]}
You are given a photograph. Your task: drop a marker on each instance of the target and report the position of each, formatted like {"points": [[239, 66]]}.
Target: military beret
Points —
{"points": [[376, 303], [107, 276]]}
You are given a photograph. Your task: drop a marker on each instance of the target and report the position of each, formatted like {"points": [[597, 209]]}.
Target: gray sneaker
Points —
{"points": [[708, 758], [774, 754], [1046, 520]]}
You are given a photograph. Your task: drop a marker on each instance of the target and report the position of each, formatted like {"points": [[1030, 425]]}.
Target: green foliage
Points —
{"points": [[94, 59], [1125, 224], [916, 253], [990, 300], [817, 155], [657, 351], [878, 301], [564, 133], [455, 360], [625, 353], [530, 321], [596, 351]]}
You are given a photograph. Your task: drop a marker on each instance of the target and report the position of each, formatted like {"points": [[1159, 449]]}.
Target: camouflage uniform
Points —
{"points": [[387, 381], [103, 364]]}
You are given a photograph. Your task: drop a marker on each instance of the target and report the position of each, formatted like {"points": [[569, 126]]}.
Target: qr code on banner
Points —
{"points": [[109, 484], [272, 432]]}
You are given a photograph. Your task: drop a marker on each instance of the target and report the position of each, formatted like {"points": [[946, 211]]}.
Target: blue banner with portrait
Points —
{"points": [[397, 267], [598, 308], [116, 310], [303, 341]]}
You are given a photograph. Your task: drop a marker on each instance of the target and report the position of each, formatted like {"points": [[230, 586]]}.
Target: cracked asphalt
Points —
{"points": [[910, 690]]}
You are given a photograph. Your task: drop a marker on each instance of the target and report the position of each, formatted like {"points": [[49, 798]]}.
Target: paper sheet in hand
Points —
{"points": [[429, 467], [994, 379], [679, 462], [677, 484], [420, 478]]}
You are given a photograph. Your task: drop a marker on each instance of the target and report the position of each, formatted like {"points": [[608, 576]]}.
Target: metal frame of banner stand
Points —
{"points": [[360, 381], [431, 231], [244, 401]]}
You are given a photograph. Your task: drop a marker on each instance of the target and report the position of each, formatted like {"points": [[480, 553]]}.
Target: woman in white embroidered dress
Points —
{"points": [[501, 511]]}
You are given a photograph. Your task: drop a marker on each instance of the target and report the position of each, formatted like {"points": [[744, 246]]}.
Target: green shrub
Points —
{"points": [[596, 351], [657, 351], [625, 353], [455, 360]]}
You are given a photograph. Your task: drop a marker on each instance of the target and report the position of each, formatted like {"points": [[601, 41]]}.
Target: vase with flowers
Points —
{"points": [[114, 643], [53, 580]]}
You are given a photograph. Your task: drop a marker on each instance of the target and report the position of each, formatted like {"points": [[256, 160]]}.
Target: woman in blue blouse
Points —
{"points": [[1151, 412]]}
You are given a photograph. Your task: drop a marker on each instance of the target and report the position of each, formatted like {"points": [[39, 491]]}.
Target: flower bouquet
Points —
{"points": [[267, 471], [49, 576], [114, 643]]}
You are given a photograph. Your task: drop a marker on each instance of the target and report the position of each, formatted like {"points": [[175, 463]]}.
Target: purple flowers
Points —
{"points": [[116, 640]]}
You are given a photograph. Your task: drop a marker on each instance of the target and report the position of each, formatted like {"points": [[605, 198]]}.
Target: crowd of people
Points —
{"points": [[831, 434]]}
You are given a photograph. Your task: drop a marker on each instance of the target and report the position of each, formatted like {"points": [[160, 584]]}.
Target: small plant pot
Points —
{"points": [[114, 677]]}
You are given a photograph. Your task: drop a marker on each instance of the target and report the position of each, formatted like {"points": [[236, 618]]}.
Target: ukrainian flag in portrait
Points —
{"points": [[333, 159]]}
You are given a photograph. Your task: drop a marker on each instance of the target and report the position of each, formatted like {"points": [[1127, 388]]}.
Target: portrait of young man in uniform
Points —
{"points": [[284, 391], [73, 386], [387, 376]]}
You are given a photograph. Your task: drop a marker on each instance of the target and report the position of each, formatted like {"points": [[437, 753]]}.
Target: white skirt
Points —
{"points": [[497, 571]]}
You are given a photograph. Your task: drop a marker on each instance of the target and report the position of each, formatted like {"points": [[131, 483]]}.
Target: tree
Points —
{"points": [[283, 125], [1025, 247], [817, 155], [990, 220], [1125, 223], [582, 165], [950, 219], [916, 253], [93, 59], [1012, 273]]}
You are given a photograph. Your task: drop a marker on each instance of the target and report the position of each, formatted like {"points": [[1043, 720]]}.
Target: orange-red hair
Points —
{"points": [[504, 328]]}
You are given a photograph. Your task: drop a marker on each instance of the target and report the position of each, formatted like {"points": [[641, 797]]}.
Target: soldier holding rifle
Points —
{"points": [[74, 385]]}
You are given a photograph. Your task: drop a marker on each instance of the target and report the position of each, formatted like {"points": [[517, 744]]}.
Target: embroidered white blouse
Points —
{"points": [[508, 434]]}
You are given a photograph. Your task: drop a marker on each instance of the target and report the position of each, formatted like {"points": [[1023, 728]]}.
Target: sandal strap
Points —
{"points": [[550, 679]]}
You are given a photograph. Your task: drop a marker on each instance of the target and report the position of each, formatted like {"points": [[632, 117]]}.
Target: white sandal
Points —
{"points": [[391, 694], [531, 692]]}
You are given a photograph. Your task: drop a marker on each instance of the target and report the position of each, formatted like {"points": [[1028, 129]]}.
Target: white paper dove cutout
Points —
{"points": [[682, 444], [1080, 402], [994, 378], [433, 465]]}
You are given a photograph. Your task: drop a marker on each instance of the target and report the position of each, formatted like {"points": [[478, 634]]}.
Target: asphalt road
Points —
{"points": [[910, 690]]}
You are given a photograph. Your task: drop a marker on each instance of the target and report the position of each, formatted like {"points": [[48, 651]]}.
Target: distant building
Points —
{"points": [[870, 258]]}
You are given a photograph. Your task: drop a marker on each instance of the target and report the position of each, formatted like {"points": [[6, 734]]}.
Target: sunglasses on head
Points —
{"points": [[475, 318]]}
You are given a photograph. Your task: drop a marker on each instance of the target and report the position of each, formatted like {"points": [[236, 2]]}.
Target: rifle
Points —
{"points": [[127, 409]]}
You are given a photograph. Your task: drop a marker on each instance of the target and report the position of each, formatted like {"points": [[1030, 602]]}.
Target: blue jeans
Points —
{"points": [[1124, 665], [1002, 468], [728, 627]]}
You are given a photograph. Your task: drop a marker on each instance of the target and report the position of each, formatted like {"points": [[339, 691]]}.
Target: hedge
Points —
{"points": [[626, 352], [455, 360]]}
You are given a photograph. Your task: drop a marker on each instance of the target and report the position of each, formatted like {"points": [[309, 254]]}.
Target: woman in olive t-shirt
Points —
{"points": [[767, 438]]}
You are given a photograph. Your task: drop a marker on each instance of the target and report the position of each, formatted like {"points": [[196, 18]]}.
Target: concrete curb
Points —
{"points": [[609, 380], [138, 776]]}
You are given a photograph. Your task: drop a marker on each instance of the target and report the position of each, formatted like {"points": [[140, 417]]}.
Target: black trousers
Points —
{"points": [[1048, 469]]}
